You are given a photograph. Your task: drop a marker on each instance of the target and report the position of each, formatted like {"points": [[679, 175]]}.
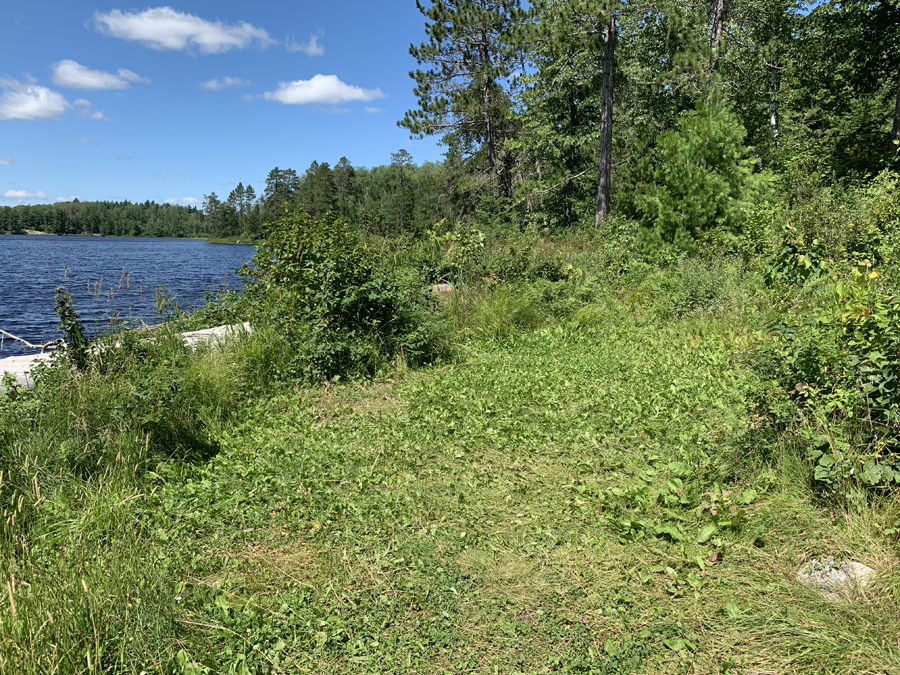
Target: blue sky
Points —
{"points": [[171, 102]]}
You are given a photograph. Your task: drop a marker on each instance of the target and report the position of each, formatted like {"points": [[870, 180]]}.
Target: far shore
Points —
{"points": [[208, 240]]}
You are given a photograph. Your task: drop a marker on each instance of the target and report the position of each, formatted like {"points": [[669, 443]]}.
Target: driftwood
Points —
{"points": [[43, 347], [20, 366]]}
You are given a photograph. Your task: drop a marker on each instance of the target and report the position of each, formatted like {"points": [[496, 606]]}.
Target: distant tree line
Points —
{"points": [[400, 196], [147, 219]]}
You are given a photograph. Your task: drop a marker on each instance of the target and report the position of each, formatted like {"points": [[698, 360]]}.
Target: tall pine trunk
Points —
{"points": [[718, 25], [606, 119], [486, 99]]}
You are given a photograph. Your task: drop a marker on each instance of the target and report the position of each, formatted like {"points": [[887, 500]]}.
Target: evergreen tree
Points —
{"points": [[344, 186], [317, 192], [703, 177], [281, 186], [470, 53]]}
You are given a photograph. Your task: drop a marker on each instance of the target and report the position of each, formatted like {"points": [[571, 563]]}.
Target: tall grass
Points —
{"points": [[84, 588]]}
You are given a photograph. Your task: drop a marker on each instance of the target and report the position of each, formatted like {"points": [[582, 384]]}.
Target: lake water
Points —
{"points": [[105, 275]]}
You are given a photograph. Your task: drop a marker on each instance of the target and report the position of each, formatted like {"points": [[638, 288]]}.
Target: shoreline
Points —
{"points": [[208, 240]]}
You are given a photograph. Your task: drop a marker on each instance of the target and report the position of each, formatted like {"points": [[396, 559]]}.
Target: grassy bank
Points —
{"points": [[586, 478]]}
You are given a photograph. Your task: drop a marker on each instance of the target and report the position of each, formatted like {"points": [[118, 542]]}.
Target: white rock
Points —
{"points": [[836, 579], [20, 367]]}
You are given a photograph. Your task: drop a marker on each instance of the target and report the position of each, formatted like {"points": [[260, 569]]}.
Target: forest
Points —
{"points": [[682, 116]]}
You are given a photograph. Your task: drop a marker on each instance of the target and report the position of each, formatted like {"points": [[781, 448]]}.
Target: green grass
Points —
{"points": [[533, 507]]}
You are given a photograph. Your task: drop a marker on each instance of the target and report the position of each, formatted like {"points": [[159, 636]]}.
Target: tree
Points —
{"points": [[344, 186], [471, 51], [567, 110], [281, 185], [604, 168], [715, 33], [840, 106], [211, 207], [237, 201], [400, 162], [704, 176], [317, 193]]}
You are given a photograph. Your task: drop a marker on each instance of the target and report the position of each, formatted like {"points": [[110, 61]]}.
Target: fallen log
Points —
{"points": [[20, 367]]}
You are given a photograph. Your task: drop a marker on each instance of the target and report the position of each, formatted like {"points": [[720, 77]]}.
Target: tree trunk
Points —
{"points": [[774, 86], [490, 126], [718, 25], [521, 179], [537, 165], [895, 132], [606, 120], [486, 100]]}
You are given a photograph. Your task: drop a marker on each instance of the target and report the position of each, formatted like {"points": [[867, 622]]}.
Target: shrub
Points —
{"points": [[796, 261], [839, 369], [840, 225], [704, 177], [319, 286]]}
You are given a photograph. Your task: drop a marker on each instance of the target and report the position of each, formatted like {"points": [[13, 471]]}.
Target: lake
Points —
{"points": [[105, 275]]}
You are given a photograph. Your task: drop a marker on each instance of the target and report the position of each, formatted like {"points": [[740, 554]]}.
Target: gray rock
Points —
{"points": [[442, 289], [836, 579]]}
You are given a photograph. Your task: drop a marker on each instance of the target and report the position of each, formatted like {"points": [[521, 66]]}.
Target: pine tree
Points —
{"points": [[345, 186], [317, 193], [281, 185], [470, 52]]}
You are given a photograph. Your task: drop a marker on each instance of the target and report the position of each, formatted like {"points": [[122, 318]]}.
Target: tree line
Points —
{"points": [[396, 197], [147, 219], [400, 196]]}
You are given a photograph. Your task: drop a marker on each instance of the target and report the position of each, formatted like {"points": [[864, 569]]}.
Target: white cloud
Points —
{"points": [[165, 28], [88, 111], [22, 195], [326, 89], [372, 111], [68, 73], [183, 200], [6, 161], [70, 198], [164, 176], [29, 101], [310, 48], [84, 140], [223, 83]]}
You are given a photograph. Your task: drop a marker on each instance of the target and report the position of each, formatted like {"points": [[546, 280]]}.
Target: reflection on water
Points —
{"points": [[106, 276]]}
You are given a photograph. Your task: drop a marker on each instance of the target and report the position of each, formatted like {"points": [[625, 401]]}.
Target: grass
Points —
{"points": [[534, 506]]}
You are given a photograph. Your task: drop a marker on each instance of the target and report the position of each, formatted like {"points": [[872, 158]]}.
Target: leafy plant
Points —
{"points": [[321, 287], [73, 332], [796, 261], [840, 366]]}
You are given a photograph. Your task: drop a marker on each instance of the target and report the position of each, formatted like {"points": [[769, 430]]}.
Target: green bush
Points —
{"points": [[838, 225], [796, 261], [835, 375], [320, 287], [704, 177]]}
